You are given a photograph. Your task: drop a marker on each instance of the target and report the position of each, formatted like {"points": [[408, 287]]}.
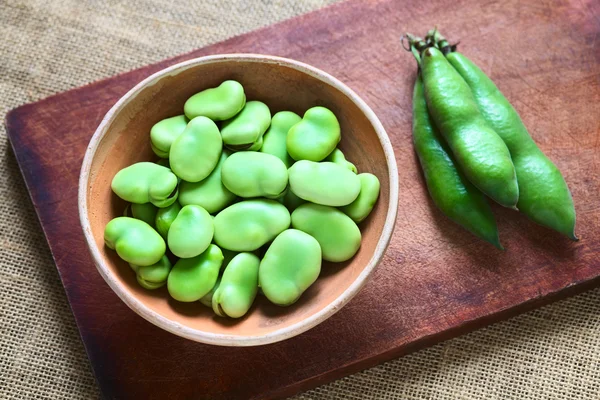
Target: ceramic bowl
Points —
{"points": [[283, 84]]}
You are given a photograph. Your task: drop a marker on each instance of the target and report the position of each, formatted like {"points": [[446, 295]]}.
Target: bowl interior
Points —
{"points": [[281, 87]]}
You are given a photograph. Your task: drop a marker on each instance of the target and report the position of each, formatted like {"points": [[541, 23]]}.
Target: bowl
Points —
{"points": [[122, 138]]}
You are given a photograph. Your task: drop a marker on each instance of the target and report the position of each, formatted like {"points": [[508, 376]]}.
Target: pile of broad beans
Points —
{"points": [[240, 202]]}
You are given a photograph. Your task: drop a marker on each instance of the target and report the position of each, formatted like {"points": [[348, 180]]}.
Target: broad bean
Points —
{"points": [[209, 193], [360, 208], [338, 157], [164, 132], [253, 174], [228, 255], [219, 103], [134, 241], [145, 212], [191, 232], [324, 183], [315, 136], [153, 276], [242, 131], [207, 298], [238, 287], [165, 217], [192, 278], [249, 224], [256, 146], [196, 152], [290, 266], [275, 139], [145, 182], [338, 236]]}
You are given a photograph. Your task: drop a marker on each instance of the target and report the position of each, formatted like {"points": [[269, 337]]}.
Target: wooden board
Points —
{"points": [[437, 281]]}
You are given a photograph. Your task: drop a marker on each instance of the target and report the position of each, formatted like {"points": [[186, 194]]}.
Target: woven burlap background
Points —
{"points": [[50, 46]]}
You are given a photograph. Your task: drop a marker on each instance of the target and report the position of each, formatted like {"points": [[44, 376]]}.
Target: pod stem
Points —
{"points": [[436, 39], [416, 45]]}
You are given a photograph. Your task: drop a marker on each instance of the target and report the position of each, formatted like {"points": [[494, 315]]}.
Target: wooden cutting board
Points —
{"points": [[437, 281]]}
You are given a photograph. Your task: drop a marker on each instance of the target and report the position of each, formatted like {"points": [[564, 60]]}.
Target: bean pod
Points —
{"points": [[450, 190], [477, 148], [543, 193]]}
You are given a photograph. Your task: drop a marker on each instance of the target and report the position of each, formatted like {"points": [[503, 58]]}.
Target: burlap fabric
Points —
{"points": [[50, 46]]}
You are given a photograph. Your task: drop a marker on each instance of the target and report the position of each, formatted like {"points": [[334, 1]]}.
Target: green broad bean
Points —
{"points": [[196, 152], [134, 241], [192, 278], [290, 266], [207, 298], [219, 103], [315, 136], [191, 232], [153, 276], [165, 217], [249, 224], [145, 212], [228, 255], [238, 287], [338, 157], [254, 174], [246, 128], [209, 193], [360, 208], [338, 236], [275, 139], [257, 145], [164, 132], [145, 182], [290, 200], [324, 183]]}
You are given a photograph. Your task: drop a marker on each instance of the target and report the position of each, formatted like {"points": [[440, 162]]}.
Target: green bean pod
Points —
{"points": [[543, 193], [450, 190], [477, 148]]}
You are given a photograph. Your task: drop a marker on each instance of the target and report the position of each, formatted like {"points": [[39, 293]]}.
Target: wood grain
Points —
{"points": [[436, 281]]}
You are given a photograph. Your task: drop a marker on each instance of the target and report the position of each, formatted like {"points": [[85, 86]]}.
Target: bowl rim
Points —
{"points": [[217, 338]]}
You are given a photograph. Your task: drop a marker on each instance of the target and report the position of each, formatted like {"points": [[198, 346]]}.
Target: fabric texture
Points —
{"points": [[50, 46]]}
